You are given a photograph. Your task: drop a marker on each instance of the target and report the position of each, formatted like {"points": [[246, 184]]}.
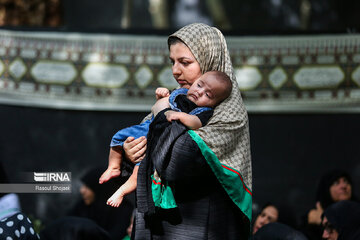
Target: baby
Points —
{"points": [[193, 107]]}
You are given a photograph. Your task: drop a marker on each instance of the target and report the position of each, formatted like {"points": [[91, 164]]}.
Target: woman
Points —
{"points": [[341, 221], [268, 214], [278, 231], [334, 186], [92, 205], [210, 168]]}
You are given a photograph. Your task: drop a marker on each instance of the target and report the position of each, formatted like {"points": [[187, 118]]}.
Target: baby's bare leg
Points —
{"points": [[113, 170], [128, 187]]}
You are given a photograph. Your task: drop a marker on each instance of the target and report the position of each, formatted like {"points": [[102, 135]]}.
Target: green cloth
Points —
{"points": [[127, 237], [162, 194], [230, 179]]}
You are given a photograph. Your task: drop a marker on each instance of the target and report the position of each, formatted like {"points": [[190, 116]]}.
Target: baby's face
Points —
{"points": [[206, 91]]}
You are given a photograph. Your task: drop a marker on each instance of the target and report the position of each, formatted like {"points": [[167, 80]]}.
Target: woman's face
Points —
{"points": [[268, 215], [340, 190], [87, 194], [329, 232], [186, 70]]}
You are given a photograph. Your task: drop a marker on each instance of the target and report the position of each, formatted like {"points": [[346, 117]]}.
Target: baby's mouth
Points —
{"points": [[193, 96]]}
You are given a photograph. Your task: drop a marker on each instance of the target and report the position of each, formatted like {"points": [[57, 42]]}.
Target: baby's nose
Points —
{"points": [[200, 92]]}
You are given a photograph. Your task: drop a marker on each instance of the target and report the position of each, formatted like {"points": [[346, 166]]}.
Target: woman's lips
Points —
{"points": [[181, 81]]}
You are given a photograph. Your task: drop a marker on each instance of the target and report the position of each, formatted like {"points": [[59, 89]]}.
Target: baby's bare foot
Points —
{"points": [[116, 199], [109, 174]]}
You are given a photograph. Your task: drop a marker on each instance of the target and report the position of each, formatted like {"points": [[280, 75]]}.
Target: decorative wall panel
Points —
{"points": [[319, 73]]}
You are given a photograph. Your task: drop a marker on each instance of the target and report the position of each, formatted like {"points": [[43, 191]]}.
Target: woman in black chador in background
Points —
{"points": [[93, 204], [334, 186]]}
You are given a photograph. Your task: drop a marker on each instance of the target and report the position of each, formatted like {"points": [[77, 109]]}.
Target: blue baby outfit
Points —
{"points": [[142, 129]]}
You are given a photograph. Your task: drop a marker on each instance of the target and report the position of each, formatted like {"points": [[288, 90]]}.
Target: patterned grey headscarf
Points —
{"points": [[227, 132]]}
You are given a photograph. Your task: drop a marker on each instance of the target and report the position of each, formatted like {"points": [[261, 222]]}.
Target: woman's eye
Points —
{"points": [[185, 63], [346, 181]]}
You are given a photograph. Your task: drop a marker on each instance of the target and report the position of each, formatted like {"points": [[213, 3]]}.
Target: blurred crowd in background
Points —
{"points": [[261, 16], [334, 216]]}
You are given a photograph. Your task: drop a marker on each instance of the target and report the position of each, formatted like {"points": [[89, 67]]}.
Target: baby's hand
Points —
{"points": [[161, 93], [172, 115]]}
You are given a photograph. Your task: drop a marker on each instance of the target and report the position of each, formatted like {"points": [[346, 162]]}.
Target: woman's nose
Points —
{"points": [[175, 69], [262, 221], [344, 184], [325, 235], [82, 189]]}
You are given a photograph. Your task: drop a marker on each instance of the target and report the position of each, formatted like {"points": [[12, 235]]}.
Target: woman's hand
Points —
{"points": [[314, 216], [134, 149]]}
